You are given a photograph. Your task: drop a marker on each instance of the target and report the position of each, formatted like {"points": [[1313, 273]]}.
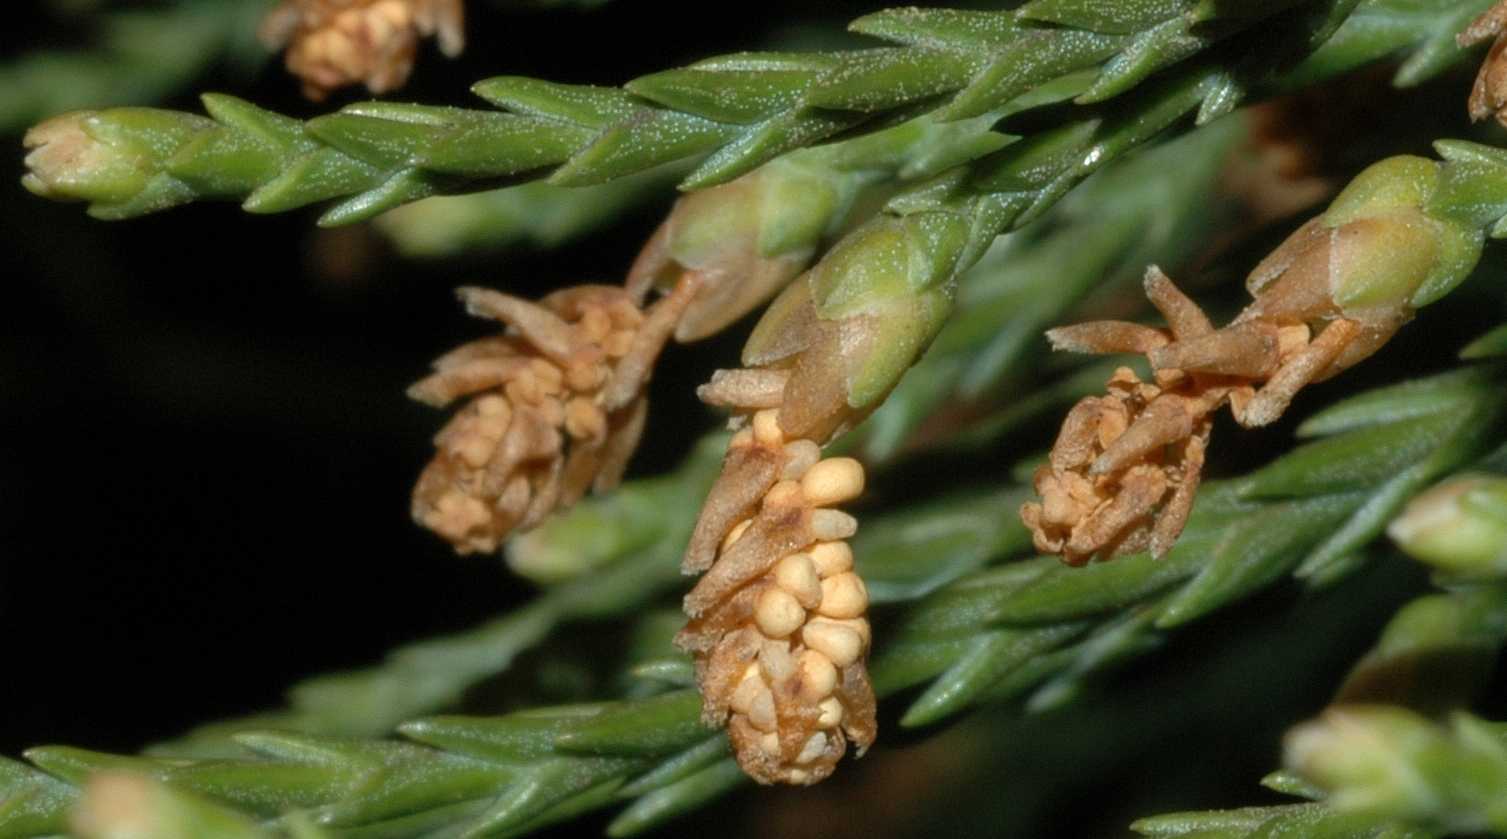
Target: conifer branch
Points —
{"points": [[732, 113], [535, 215], [628, 539], [1389, 764], [1091, 245]]}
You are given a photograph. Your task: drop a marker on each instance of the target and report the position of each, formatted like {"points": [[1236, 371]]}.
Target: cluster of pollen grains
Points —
{"points": [[557, 409], [335, 43], [777, 622]]}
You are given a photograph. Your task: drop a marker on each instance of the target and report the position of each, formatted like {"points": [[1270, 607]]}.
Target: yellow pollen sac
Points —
{"points": [[833, 481], [778, 585]]}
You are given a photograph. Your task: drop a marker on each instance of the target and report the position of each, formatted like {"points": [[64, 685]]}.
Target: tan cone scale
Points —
{"points": [[336, 43], [557, 408]]}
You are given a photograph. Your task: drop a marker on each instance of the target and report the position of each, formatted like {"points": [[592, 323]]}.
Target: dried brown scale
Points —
{"points": [[1123, 473], [1488, 97], [335, 43], [777, 623], [556, 409]]}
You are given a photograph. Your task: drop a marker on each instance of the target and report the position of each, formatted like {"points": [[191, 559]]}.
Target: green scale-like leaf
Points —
{"points": [[732, 113]]}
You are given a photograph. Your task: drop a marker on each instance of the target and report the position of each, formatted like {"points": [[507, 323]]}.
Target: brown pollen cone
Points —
{"points": [[1489, 94], [1103, 493], [1122, 475], [335, 43], [557, 408], [777, 621]]}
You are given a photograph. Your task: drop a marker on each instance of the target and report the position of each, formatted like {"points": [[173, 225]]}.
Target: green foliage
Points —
{"points": [[535, 215], [1389, 764], [1379, 771], [1281, 820], [1039, 631], [1436, 654], [1093, 243], [731, 113]]}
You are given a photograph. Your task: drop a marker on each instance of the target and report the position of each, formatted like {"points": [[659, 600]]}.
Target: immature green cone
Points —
{"points": [[828, 350], [67, 163], [744, 240], [1436, 654], [779, 626], [1459, 527], [1393, 764], [126, 806]]}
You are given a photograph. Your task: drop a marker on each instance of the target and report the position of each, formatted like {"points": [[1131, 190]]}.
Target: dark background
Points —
{"points": [[205, 459]]}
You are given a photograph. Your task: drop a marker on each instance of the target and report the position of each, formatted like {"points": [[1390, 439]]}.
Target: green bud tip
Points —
{"points": [[1459, 526], [69, 162], [61, 152], [1388, 254], [1365, 756]]}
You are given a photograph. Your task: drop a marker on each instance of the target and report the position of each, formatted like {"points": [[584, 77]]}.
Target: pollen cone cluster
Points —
{"points": [[1101, 495], [777, 623], [335, 43], [556, 408], [1123, 472]]}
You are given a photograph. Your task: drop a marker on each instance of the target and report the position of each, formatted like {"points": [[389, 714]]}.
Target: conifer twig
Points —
{"points": [[734, 112], [532, 215]]}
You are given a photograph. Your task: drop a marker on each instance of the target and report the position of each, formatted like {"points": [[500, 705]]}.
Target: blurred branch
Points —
{"points": [[140, 56]]}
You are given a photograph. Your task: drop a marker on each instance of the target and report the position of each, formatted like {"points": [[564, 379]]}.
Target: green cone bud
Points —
{"points": [[851, 327], [125, 806], [1436, 654], [1393, 764], [746, 239], [1390, 252], [66, 162], [1459, 527]]}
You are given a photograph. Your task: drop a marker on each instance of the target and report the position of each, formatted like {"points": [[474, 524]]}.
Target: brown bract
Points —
{"points": [[335, 43], [557, 408], [1104, 493], [1123, 473], [1489, 94], [777, 624]]}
